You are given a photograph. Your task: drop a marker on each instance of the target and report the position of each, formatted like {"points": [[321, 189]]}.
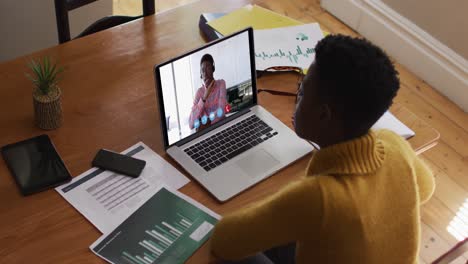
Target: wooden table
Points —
{"points": [[109, 102]]}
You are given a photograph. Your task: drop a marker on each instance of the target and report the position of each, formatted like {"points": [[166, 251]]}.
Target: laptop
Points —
{"points": [[211, 122]]}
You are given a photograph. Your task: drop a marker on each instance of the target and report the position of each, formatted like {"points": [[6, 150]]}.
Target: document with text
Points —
{"points": [[106, 198], [389, 121], [168, 228]]}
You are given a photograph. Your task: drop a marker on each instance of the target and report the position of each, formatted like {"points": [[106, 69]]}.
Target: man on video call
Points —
{"points": [[209, 105]]}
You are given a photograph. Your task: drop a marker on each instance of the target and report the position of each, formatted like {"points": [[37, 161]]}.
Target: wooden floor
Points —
{"points": [[448, 160]]}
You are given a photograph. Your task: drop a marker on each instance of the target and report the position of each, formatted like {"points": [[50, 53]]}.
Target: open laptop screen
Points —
{"points": [[206, 86]]}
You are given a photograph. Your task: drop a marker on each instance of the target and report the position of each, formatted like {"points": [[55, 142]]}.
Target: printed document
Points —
{"points": [[106, 198], [389, 121], [286, 46], [168, 228]]}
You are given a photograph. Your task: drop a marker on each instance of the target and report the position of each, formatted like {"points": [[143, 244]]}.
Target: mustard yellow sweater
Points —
{"points": [[358, 203]]}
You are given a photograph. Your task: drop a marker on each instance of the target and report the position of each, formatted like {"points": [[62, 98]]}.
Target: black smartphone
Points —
{"points": [[120, 163]]}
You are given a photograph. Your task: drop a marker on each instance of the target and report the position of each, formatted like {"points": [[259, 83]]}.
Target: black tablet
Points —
{"points": [[35, 164]]}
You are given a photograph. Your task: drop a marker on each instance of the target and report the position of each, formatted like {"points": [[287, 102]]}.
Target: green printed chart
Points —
{"points": [[166, 229]]}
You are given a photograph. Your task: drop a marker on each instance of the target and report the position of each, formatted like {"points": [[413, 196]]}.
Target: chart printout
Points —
{"points": [[106, 198], [168, 228]]}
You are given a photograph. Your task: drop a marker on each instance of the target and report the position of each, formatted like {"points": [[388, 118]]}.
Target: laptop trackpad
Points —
{"points": [[256, 163]]}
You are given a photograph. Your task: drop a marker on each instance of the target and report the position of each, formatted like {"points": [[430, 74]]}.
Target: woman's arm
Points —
{"points": [[424, 179], [290, 215], [222, 100], [197, 108]]}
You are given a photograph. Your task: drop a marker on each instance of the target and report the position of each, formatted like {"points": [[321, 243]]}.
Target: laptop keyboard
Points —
{"points": [[230, 142]]}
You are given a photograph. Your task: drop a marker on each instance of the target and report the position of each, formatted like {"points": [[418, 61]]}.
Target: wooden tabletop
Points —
{"points": [[109, 101]]}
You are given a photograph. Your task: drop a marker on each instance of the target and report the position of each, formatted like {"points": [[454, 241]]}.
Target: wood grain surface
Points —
{"points": [[109, 101]]}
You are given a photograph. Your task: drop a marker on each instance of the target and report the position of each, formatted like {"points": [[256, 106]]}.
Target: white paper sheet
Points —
{"points": [[390, 122], [106, 199], [286, 46]]}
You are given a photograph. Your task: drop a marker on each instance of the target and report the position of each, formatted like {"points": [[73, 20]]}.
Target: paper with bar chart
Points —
{"points": [[106, 198], [168, 228], [286, 46]]}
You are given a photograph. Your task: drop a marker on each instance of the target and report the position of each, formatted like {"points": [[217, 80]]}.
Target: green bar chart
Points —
{"points": [[166, 229]]}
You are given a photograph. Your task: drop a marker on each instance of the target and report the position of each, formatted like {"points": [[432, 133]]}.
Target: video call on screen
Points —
{"points": [[198, 94]]}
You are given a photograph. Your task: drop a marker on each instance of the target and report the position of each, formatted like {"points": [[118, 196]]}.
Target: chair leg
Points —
{"points": [[63, 26], [148, 7], [458, 250]]}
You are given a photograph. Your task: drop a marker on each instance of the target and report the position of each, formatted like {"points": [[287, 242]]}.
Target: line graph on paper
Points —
{"points": [[287, 46], [292, 55]]}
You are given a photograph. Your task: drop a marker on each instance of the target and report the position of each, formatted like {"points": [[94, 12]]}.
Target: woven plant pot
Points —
{"points": [[48, 108]]}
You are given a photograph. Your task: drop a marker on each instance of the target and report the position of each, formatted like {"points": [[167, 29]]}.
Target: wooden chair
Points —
{"points": [[458, 250], [62, 7]]}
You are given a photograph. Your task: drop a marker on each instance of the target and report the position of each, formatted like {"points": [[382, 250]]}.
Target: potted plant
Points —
{"points": [[46, 93]]}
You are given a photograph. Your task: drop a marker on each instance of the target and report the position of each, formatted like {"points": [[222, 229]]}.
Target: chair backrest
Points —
{"points": [[62, 7]]}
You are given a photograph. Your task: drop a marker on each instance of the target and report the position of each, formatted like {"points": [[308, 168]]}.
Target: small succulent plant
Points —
{"points": [[45, 74]]}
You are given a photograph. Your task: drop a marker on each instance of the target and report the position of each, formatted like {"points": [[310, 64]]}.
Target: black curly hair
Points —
{"points": [[207, 57], [356, 76]]}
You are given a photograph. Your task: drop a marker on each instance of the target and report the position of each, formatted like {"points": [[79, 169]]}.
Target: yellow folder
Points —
{"points": [[251, 16]]}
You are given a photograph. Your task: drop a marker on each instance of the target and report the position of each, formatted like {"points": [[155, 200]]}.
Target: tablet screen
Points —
{"points": [[35, 164]]}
